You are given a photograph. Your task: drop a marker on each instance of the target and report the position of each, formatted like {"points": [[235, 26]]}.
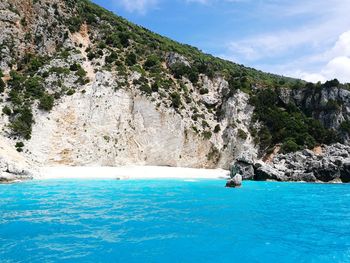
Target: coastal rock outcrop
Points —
{"points": [[329, 164], [235, 181], [13, 172], [13, 167], [265, 172], [244, 165], [95, 90]]}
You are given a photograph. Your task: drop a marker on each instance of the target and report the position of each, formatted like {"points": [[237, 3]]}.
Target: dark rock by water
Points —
{"points": [[332, 165], [235, 181]]}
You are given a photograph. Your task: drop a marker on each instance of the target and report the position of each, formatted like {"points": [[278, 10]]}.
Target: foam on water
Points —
{"points": [[173, 221]]}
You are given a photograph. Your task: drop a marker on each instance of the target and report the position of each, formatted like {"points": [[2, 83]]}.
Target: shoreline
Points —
{"points": [[128, 173]]}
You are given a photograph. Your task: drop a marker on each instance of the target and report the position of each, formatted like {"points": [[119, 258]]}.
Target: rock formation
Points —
{"points": [[80, 86], [330, 164], [13, 166], [235, 181]]}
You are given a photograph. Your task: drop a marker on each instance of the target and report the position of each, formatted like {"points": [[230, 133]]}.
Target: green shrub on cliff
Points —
{"points": [[217, 128], [290, 146], [242, 134], [176, 100], [331, 83], [287, 124], [152, 61], [180, 70], [19, 146], [46, 102], [34, 87], [21, 125], [345, 127], [111, 58], [146, 89], [6, 110], [74, 23], [207, 135], [131, 59]]}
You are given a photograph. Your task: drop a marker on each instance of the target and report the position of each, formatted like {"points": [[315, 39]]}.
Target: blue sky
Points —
{"points": [[309, 39]]}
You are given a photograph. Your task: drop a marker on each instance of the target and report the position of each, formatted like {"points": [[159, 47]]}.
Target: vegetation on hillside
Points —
{"points": [[117, 32], [294, 127], [124, 48]]}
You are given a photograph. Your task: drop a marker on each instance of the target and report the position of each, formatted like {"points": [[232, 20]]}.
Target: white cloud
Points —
{"points": [[315, 47], [311, 77], [313, 41], [140, 6], [199, 1], [338, 67], [213, 1], [334, 63], [342, 46]]}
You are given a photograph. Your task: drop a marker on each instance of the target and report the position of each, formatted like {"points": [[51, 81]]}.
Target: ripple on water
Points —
{"points": [[173, 221]]}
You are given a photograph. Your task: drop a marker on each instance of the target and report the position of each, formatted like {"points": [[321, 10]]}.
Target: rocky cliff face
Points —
{"points": [[13, 166], [107, 127], [81, 86], [107, 114], [329, 164], [330, 104]]}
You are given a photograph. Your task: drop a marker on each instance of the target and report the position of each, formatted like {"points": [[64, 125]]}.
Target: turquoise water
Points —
{"points": [[173, 221]]}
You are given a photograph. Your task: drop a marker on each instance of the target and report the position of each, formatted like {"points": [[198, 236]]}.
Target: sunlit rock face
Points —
{"points": [[83, 87]]}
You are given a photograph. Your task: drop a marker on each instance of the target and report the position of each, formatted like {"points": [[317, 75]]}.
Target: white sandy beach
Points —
{"points": [[129, 172]]}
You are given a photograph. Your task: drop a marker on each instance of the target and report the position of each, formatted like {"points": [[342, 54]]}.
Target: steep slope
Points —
{"points": [[120, 94], [82, 86]]}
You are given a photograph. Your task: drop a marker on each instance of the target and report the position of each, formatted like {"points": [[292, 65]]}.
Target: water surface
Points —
{"points": [[173, 221]]}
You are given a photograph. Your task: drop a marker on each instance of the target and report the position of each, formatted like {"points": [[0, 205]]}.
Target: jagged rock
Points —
{"points": [[265, 172], [235, 182], [9, 16], [243, 165], [233, 170], [14, 172], [246, 170], [13, 166], [16, 169], [8, 178], [304, 177], [246, 157], [4, 180], [285, 95], [210, 101], [308, 153], [174, 58], [345, 171], [316, 101], [332, 166], [343, 154], [110, 121], [327, 174]]}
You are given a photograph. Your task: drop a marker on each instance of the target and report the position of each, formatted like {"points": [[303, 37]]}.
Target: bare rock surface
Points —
{"points": [[108, 112], [235, 182], [330, 166], [13, 166]]}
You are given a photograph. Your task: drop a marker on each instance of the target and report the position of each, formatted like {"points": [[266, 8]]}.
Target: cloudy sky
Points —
{"points": [[309, 39]]}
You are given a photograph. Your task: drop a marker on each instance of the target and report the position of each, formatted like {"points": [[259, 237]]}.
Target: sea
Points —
{"points": [[173, 221]]}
